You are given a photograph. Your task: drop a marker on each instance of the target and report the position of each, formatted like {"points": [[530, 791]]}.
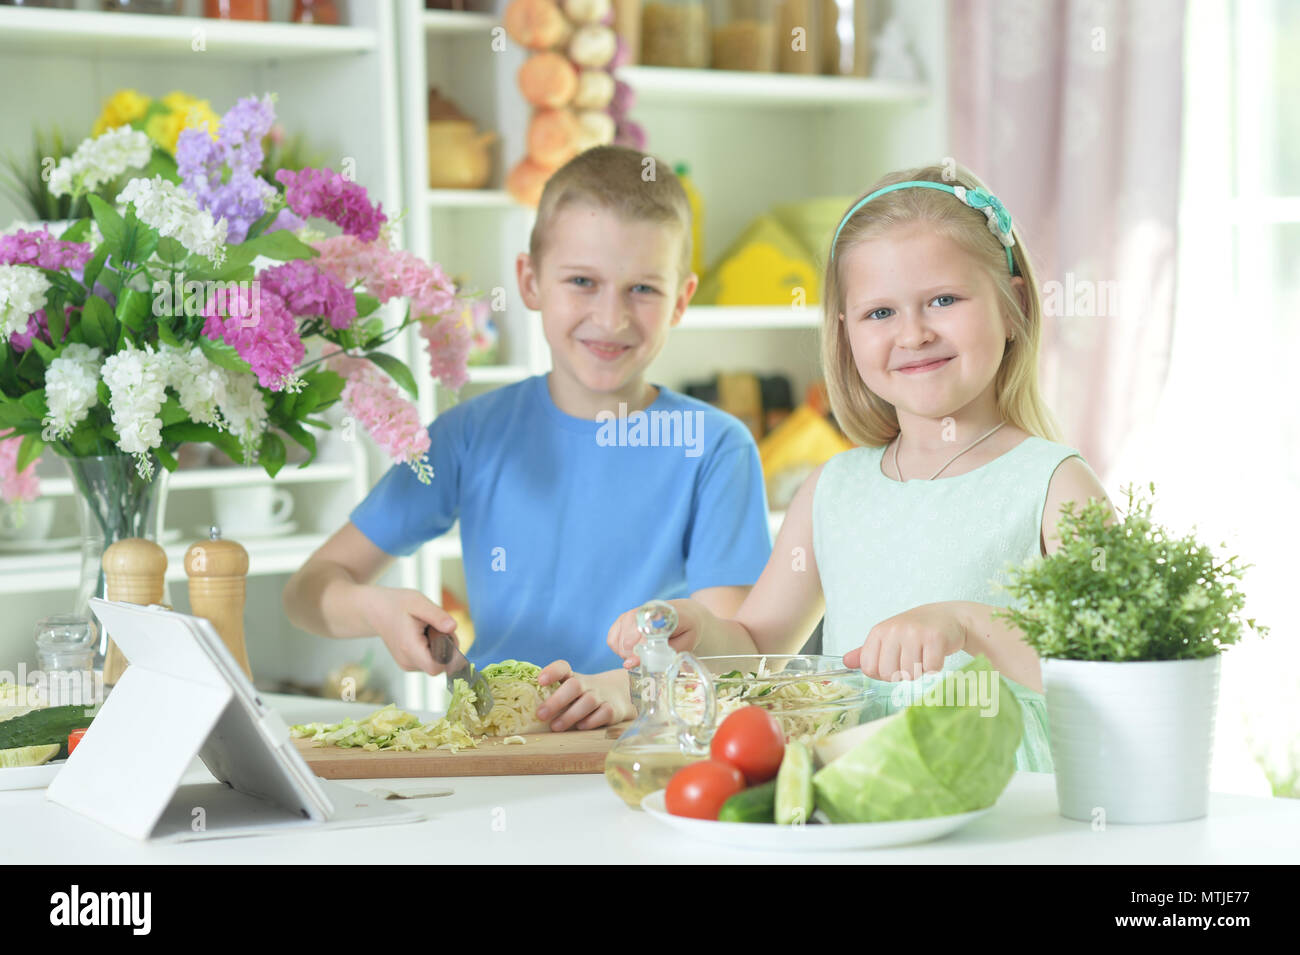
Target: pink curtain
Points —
{"points": [[1071, 111]]}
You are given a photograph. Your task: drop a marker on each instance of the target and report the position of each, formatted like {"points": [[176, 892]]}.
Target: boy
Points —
{"points": [[580, 493]]}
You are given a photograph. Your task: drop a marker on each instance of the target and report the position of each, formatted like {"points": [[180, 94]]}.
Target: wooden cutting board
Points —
{"points": [[543, 754]]}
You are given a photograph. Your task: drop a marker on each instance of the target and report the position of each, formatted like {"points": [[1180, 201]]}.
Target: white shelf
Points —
{"points": [[497, 374], [128, 36], [750, 317], [36, 572], [458, 21], [655, 85], [228, 477], [470, 199]]}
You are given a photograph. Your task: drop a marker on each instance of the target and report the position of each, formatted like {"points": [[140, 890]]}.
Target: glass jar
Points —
{"points": [[325, 12], [65, 652], [744, 35], [237, 9], [799, 36], [675, 33], [846, 38]]}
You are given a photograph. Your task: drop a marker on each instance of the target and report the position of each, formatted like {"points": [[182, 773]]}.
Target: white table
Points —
{"points": [[577, 819]]}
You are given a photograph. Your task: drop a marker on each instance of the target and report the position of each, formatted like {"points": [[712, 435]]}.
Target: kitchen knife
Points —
{"points": [[444, 650]]}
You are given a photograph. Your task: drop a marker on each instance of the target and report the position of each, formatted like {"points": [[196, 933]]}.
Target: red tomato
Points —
{"points": [[751, 740], [700, 789], [74, 738]]}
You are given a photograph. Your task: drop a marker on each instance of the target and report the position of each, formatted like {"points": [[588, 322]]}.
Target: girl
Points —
{"points": [[930, 348]]}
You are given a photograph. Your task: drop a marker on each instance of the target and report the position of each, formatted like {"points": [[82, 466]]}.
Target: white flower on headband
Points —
{"points": [[994, 211]]}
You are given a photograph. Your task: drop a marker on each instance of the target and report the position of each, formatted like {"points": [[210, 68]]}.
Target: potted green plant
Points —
{"points": [[1129, 622]]}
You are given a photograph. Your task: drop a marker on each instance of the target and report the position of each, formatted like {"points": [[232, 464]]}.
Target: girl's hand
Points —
{"points": [[909, 644], [691, 617], [399, 617], [585, 701]]}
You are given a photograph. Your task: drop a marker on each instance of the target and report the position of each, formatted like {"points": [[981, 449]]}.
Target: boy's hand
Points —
{"points": [[585, 701], [909, 644], [691, 617], [399, 617]]}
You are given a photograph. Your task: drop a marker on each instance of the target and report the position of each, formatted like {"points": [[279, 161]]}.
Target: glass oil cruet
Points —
{"points": [[660, 741]]}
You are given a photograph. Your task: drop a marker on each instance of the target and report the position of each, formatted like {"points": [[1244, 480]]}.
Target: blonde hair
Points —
{"points": [[869, 419], [635, 186]]}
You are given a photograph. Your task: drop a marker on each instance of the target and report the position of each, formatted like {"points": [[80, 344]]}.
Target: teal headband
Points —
{"points": [[995, 211]]}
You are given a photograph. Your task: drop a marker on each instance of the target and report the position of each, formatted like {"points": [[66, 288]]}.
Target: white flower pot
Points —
{"points": [[1131, 742]]}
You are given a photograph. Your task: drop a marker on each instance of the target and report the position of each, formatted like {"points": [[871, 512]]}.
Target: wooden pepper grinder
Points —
{"points": [[134, 569], [218, 572]]}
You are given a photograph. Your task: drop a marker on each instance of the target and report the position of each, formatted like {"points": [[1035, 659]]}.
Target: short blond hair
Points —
{"points": [[869, 419], [635, 186]]}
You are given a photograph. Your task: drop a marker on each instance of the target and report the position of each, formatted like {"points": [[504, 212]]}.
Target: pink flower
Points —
{"points": [[43, 250], [448, 342], [259, 326], [18, 485], [306, 290], [327, 194], [391, 420]]}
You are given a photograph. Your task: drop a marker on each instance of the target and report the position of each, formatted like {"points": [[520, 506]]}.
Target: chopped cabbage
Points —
{"points": [[515, 695]]}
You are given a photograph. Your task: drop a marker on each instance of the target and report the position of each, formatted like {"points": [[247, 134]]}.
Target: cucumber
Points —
{"points": [[44, 727], [794, 787], [755, 804]]}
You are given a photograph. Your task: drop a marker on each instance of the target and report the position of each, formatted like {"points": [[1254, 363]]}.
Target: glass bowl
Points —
{"points": [[810, 696]]}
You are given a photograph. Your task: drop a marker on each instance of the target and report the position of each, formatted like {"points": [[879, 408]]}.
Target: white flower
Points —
{"points": [[244, 409], [199, 384], [100, 160], [71, 389], [22, 291], [175, 213], [137, 385]]}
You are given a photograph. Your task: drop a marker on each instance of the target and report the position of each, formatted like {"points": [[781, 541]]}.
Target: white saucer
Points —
{"points": [[30, 777], [252, 533], [14, 546]]}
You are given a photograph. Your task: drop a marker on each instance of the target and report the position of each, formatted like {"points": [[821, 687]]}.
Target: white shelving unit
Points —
{"points": [[337, 85], [752, 140]]}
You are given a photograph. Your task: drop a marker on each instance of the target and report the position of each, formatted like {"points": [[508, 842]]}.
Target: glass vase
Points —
{"points": [[114, 502]]}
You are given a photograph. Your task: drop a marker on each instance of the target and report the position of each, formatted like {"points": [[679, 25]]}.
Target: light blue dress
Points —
{"points": [[883, 547]]}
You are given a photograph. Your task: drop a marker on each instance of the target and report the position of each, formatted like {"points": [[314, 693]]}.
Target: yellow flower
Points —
{"points": [[183, 112], [122, 108]]}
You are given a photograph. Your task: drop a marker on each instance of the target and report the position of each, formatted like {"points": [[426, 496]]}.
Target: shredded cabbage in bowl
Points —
{"points": [[515, 699]]}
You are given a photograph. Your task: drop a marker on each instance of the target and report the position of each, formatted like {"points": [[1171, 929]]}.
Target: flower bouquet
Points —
{"points": [[192, 317]]}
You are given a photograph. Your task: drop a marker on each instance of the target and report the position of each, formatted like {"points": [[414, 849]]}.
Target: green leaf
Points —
{"points": [[56, 319], [171, 412], [272, 453], [396, 370], [110, 224], [34, 403], [171, 251], [260, 226], [14, 415], [366, 304], [105, 396], [94, 267], [223, 355], [165, 458], [191, 432], [79, 231], [303, 437], [47, 353], [29, 451], [165, 333], [281, 246], [329, 384], [97, 323], [133, 308]]}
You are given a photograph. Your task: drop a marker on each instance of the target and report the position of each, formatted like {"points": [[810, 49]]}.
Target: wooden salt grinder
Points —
{"points": [[218, 572], [134, 569]]}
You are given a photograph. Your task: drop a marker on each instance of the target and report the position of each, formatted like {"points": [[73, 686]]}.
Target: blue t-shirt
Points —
{"points": [[566, 522]]}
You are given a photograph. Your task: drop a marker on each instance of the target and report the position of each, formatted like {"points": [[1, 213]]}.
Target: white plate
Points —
{"points": [[810, 838], [30, 777], [251, 533], [13, 546]]}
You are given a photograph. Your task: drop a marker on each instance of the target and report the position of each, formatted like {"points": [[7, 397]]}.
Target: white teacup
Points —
{"points": [[258, 508], [27, 520]]}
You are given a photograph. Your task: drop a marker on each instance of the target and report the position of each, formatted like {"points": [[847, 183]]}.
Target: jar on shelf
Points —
{"points": [[675, 33], [325, 12], [237, 9], [846, 38], [799, 36], [744, 35]]}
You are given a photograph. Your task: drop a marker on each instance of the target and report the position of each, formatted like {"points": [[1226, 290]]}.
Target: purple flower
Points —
{"points": [[327, 194], [261, 330], [43, 250], [240, 199], [306, 290]]}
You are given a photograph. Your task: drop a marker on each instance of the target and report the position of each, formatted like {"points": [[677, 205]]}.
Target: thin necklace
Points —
{"points": [[950, 460]]}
